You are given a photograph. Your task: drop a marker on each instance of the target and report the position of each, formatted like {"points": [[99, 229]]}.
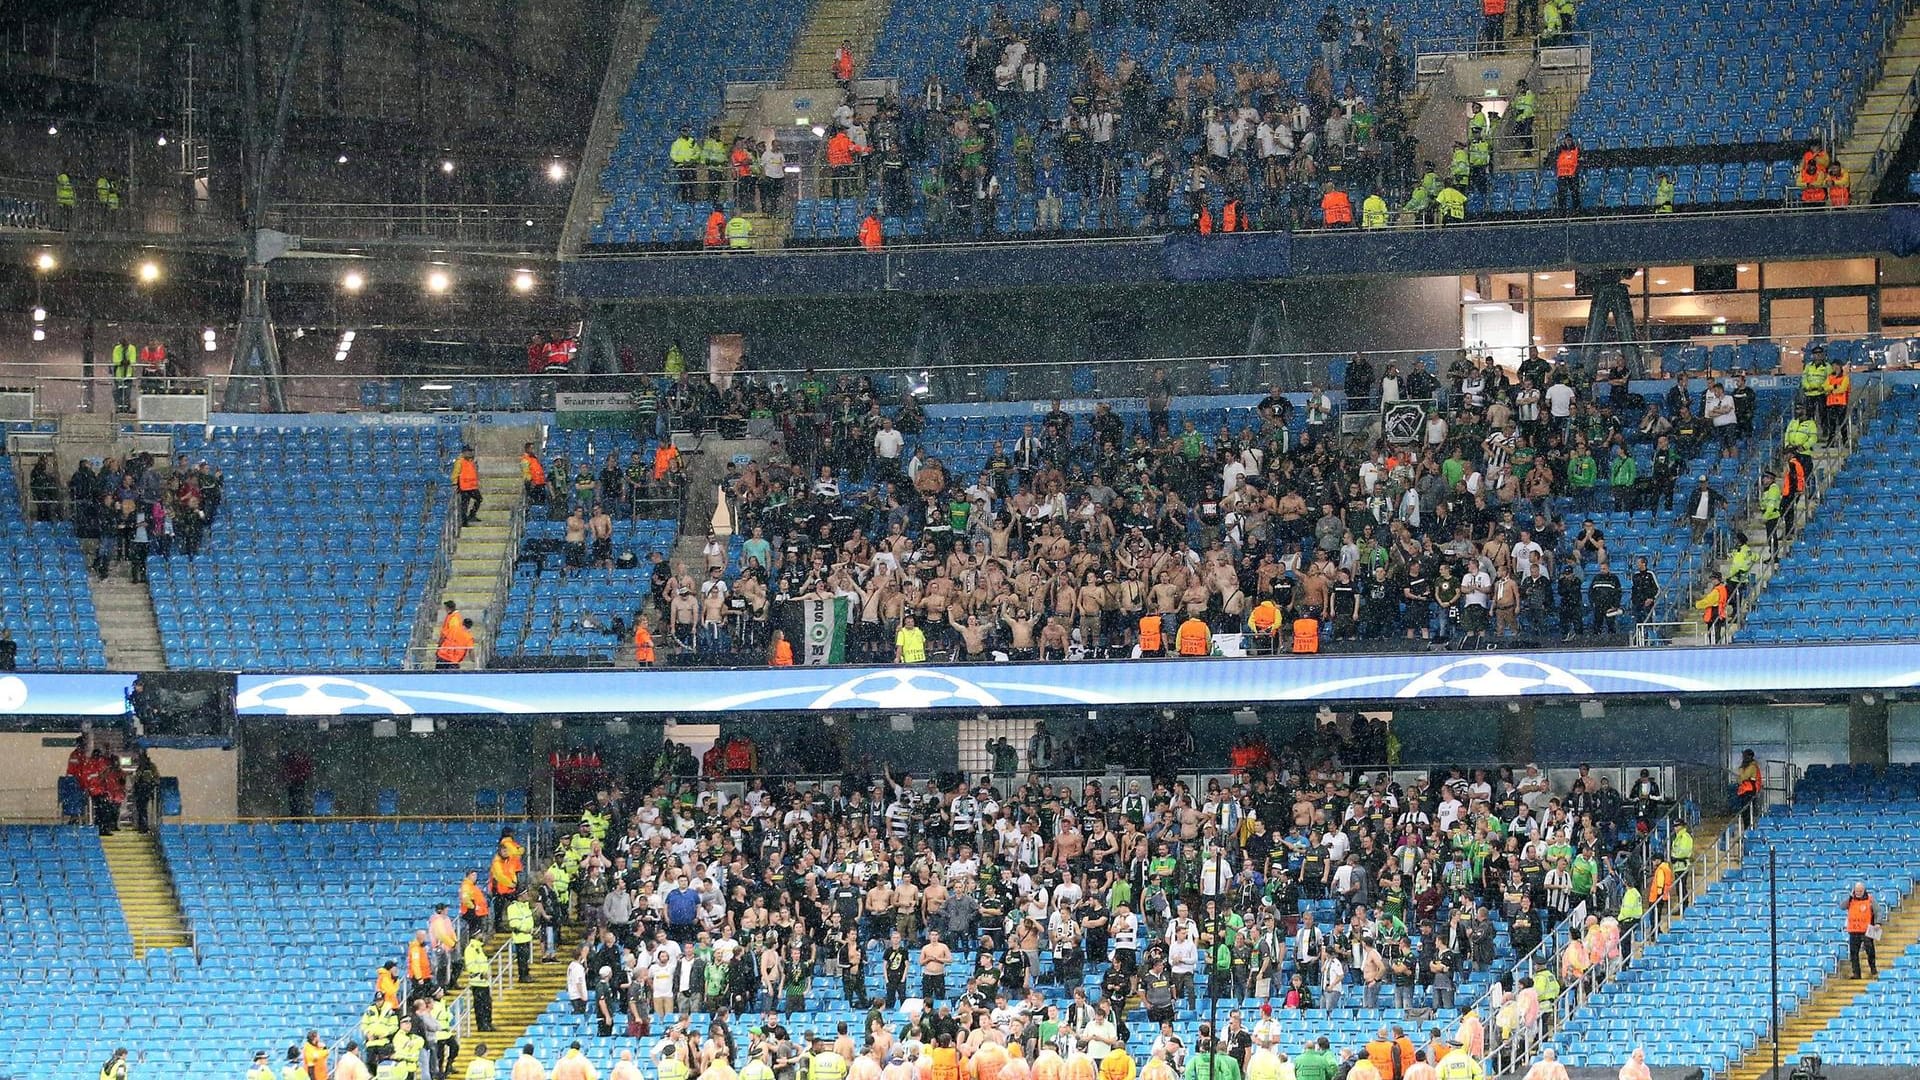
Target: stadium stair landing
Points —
{"points": [[145, 888], [1798, 1028], [830, 22], [516, 1010], [1881, 111], [128, 629]]}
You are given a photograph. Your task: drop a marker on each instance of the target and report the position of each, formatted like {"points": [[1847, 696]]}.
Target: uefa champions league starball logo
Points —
{"points": [[321, 695], [1494, 676], [13, 693], [904, 688]]}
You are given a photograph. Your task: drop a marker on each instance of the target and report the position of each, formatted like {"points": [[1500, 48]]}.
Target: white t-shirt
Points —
{"points": [[1560, 400], [888, 443]]}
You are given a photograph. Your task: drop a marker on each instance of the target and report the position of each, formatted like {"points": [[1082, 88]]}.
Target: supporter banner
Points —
{"points": [[1367, 678], [826, 627], [33, 694], [602, 409]]}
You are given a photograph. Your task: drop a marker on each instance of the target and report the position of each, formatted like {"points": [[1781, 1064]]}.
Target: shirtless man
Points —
{"points": [[684, 612], [576, 544], [1093, 604], [1020, 630], [973, 637], [602, 528]]}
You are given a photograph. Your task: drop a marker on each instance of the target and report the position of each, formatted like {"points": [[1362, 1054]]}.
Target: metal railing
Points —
{"points": [[470, 223], [1871, 395], [426, 620], [1710, 863], [1892, 137]]}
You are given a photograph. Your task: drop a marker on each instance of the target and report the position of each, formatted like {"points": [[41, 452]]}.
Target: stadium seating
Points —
{"points": [[322, 551], [291, 921], [548, 615], [1773, 72], [1877, 1028], [826, 1006], [1821, 593], [1689, 998], [44, 599], [680, 81]]}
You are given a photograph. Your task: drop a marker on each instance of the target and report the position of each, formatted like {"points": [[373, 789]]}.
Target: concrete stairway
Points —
{"points": [[516, 1010], [1884, 113], [830, 22], [1824, 1004], [706, 468], [1827, 463], [124, 610], [145, 887], [483, 551]]}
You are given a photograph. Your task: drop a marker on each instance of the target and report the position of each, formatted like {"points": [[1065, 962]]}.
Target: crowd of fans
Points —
{"points": [[1237, 147], [966, 924], [1095, 536], [130, 509]]}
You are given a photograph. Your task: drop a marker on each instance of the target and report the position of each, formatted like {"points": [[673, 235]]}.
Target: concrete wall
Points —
{"points": [[31, 764]]}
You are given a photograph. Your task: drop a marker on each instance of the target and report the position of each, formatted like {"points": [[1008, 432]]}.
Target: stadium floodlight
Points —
{"points": [[447, 166], [39, 313], [53, 129], [210, 339], [341, 160], [523, 281], [439, 281], [163, 140], [39, 333], [148, 271], [46, 262], [353, 281], [557, 170]]}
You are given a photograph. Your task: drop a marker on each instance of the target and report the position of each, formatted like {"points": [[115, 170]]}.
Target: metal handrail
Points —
{"points": [[428, 614], [1894, 135], [1724, 853]]}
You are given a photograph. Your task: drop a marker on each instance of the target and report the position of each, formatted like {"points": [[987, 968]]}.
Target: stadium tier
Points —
{"points": [[341, 525], [677, 85], [1699, 979], [1819, 593], [570, 610], [330, 902], [1775, 73]]}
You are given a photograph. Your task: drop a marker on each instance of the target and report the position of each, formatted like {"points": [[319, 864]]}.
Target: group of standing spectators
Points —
{"points": [[129, 509], [1096, 534]]}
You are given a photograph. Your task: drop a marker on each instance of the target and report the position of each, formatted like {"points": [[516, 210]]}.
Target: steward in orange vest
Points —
{"points": [[870, 235], [1194, 639], [456, 641], [1306, 635], [642, 645], [1152, 640], [716, 229], [782, 650], [1336, 210]]}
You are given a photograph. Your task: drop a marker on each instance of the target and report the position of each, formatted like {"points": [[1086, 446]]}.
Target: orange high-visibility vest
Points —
{"points": [[742, 162], [1839, 385], [1265, 618], [466, 474], [1793, 480], [783, 653], [1490, 7], [1230, 217], [870, 237], [663, 456], [642, 644], [455, 644], [418, 965], [1306, 635], [473, 899], [503, 876], [1662, 881], [716, 229], [840, 149], [1206, 221], [1859, 914], [1193, 638], [1150, 633], [387, 985], [1567, 162], [1336, 208], [535, 472]]}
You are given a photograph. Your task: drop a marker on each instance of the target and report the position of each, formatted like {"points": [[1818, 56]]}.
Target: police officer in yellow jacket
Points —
{"points": [[261, 1070], [378, 1025], [1459, 1065], [739, 233], [479, 969], [685, 155], [520, 925]]}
